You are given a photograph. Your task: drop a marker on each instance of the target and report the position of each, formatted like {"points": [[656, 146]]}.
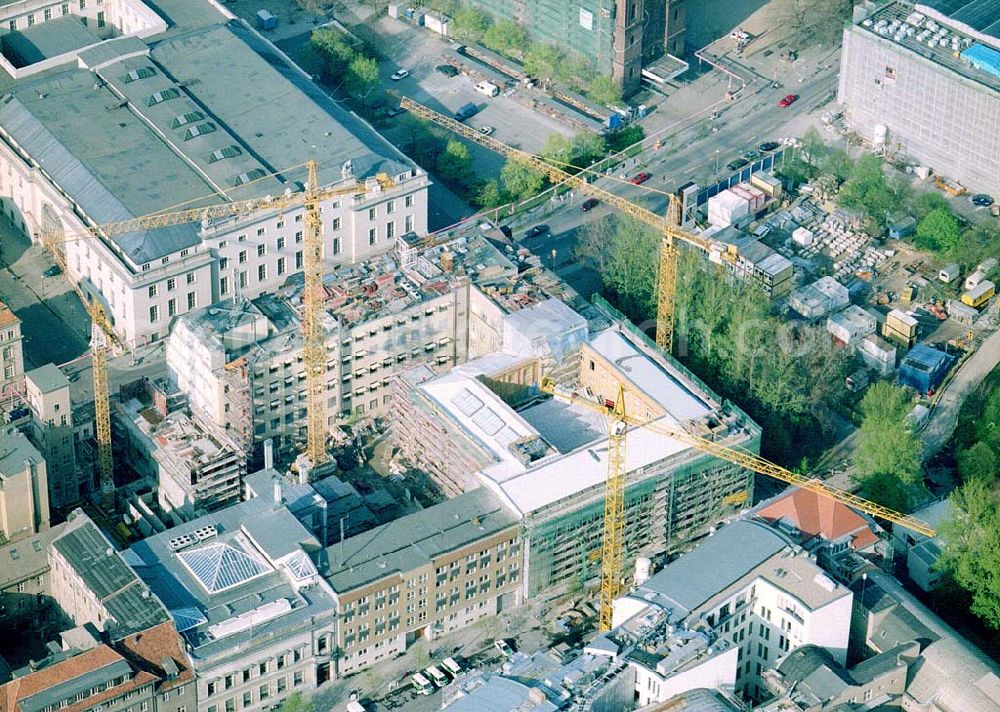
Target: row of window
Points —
{"points": [[190, 278], [261, 694], [47, 15], [154, 311], [215, 687]]}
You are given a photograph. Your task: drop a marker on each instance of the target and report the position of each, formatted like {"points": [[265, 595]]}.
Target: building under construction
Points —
{"points": [[482, 426], [616, 37], [240, 362]]}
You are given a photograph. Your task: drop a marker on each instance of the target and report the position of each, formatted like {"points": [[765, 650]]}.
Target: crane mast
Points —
{"points": [[102, 403], [669, 226], [613, 541], [314, 346]]}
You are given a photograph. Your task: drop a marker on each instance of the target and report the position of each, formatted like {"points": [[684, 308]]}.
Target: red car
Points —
{"points": [[639, 178], [788, 100]]}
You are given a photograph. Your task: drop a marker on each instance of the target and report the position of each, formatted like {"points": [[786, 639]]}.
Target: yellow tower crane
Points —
{"points": [[669, 226], [612, 550], [314, 346]]}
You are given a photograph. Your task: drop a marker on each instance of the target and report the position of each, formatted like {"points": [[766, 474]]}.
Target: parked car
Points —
{"points": [[788, 100], [982, 200], [639, 178], [736, 164], [535, 231], [449, 70], [751, 155], [53, 271], [589, 204], [769, 146], [401, 74], [486, 130], [504, 647]]}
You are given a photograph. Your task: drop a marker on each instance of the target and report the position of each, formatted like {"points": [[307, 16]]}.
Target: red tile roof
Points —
{"points": [[94, 659], [149, 649], [815, 515]]}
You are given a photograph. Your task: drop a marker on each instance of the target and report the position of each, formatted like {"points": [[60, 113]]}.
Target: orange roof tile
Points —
{"points": [[7, 316], [815, 515], [45, 678], [149, 649]]}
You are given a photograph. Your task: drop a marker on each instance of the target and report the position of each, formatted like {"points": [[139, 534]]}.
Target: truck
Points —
{"points": [[435, 674], [466, 111], [488, 89], [421, 684]]}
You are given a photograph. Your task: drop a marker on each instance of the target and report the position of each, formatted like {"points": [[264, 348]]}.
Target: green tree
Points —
{"points": [[888, 456], [455, 162], [813, 147], [977, 462], [838, 164], [490, 195], [362, 78], [976, 244], [541, 61], [296, 702], [334, 50], [519, 181], [469, 24], [575, 71], [622, 248], [794, 169], [624, 137], [988, 424], [604, 90], [868, 190], [925, 202], [938, 231], [971, 547], [588, 146], [506, 37], [558, 150]]}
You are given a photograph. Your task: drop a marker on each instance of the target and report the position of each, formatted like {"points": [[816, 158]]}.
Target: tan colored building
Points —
{"points": [[24, 495], [424, 575], [25, 585], [11, 354]]}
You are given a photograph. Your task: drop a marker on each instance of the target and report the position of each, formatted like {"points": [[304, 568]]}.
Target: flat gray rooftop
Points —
{"points": [[46, 40], [160, 147], [717, 562], [112, 582], [15, 448], [48, 378], [416, 539]]}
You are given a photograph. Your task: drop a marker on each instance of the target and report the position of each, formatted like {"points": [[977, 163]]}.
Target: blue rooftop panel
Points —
{"points": [[982, 57]]}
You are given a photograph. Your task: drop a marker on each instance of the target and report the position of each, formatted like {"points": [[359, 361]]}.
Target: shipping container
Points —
{"points": [[980, 294], [949, 273], [973, 280]]}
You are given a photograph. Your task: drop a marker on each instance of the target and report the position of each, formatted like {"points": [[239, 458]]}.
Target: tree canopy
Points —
{"points": [[519, 181], [971, 551], [888, 456], [868, 190], [506, 37], [938, 231]]}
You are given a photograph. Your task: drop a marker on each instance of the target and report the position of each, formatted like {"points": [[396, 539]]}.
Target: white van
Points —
{"points": [[488, 88], [437, 676], [355, 706], [421, 684], [452, 666]]}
